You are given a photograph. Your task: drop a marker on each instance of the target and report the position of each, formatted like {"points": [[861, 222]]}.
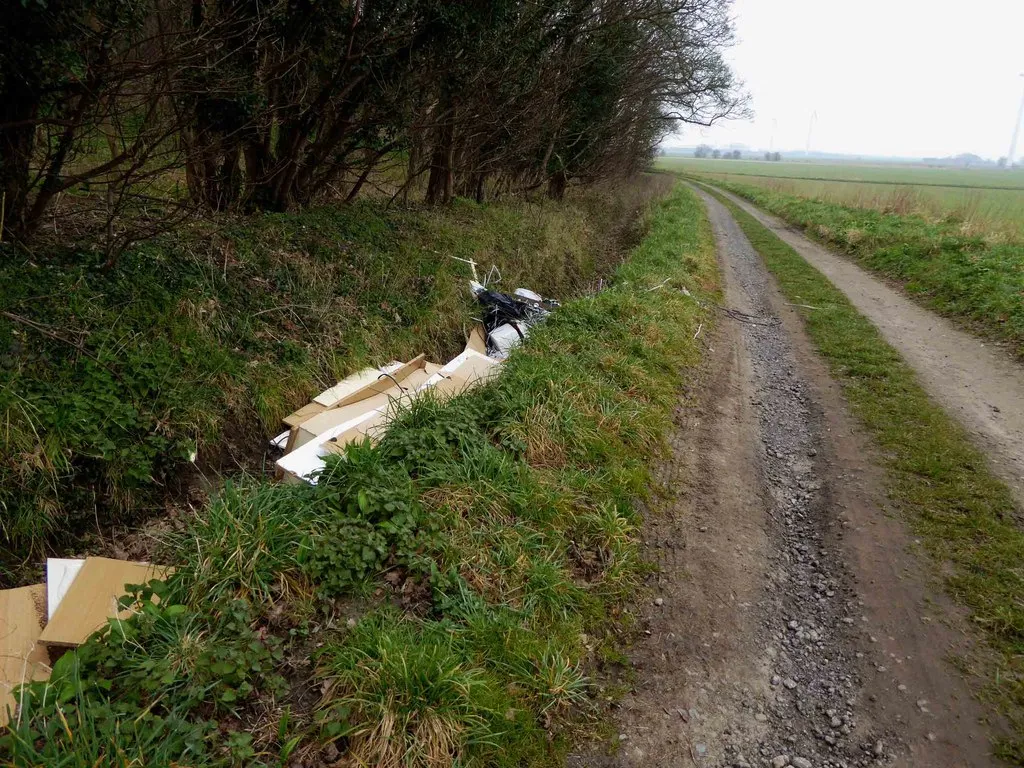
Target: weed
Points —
{"points": [[467, 567], [248, 543], [402, 696]]}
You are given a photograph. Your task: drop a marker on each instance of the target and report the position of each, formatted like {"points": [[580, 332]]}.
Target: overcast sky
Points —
{"points": [[886, 77]]}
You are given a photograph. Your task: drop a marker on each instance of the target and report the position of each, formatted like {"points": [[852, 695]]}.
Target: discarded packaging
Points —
{"points": [[78, 598], [60, 572], [92, 598], [331, 430], [22, 658], [362, 405], [507, 319]]}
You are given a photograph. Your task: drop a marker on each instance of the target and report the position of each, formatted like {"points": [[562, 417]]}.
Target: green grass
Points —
{"points": [[983, 202], [202, 340], [437, 598], [878, 173], [936, 478], [977, 281]]}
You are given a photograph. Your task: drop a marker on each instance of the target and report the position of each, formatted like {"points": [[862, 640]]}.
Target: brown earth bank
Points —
{"points": [[791, 621]]}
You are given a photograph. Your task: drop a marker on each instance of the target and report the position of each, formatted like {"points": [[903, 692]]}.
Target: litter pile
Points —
{"points": [[507, 319], [39, 622], [362, 405]]}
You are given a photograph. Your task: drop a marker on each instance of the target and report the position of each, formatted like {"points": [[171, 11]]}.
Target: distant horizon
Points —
{"points": [[687, 149], [875, 78]]}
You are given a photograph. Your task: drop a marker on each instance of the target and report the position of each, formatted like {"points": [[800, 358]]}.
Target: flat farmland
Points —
{"points": [[987, 202]]}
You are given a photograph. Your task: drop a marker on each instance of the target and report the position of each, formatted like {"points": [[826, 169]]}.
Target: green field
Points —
{"points": [[964, 260], [987, 202]]}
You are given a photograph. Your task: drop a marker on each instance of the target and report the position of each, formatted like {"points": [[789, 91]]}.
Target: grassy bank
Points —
{"points": [[200, 341], [936, 478], [435, 599], [977, 279]]}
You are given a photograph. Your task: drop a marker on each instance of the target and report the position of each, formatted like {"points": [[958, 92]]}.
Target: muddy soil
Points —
{"points": [[976, 382], [791, 621]]}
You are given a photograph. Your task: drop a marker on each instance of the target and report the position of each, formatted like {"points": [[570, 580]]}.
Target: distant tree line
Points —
{"points": [[244, 105], [706, 150]]}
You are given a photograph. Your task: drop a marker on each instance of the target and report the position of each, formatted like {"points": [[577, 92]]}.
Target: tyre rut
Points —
{"points": [[786, 622]]}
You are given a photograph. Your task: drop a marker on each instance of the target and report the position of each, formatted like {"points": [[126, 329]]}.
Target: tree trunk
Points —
{"points": [[557, 184], [18, 107], [414, 167], [440, 185]]}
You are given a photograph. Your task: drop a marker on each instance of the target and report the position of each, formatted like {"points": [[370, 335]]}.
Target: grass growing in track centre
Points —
{"points": [[438, 597], [982, 201], [976, 278], [936, 478]]}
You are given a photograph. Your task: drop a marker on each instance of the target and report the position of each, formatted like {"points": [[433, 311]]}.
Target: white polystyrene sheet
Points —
{"points": [[281, 440], [60, 572], [505, 338], [350, 384], [306, 460]]}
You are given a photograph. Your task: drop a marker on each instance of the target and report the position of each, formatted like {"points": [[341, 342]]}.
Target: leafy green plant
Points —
{"points": [[503, 522], [146, 686], [344, 555]]}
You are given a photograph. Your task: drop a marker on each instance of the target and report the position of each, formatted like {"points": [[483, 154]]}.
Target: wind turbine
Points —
{"points": [[1016, 131], [810, 130]]}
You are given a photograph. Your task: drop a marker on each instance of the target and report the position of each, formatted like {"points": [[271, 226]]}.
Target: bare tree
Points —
{"points": [[150, 105], [87, 115]]}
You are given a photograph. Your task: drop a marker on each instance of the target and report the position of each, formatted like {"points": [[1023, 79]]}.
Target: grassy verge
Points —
{"points": [[435, 599], [111, 380], [976, 279], [937, 479]]}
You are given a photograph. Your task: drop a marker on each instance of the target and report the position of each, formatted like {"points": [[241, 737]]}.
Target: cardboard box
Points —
{"points": [[92, 599], [22, 657]]}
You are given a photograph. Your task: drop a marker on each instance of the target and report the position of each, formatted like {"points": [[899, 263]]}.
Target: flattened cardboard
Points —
{"points": [[307, 411], [304, 462], [372, 428], [382, 400], [330, 397], [450, 387], [477, 340], [92, 598], [471, 372], [399, 375], [476, 368], [22, 658], [60, 572]]}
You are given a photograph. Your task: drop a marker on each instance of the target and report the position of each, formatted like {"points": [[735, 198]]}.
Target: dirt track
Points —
{"points": [[975, 382], [792, 622]]}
